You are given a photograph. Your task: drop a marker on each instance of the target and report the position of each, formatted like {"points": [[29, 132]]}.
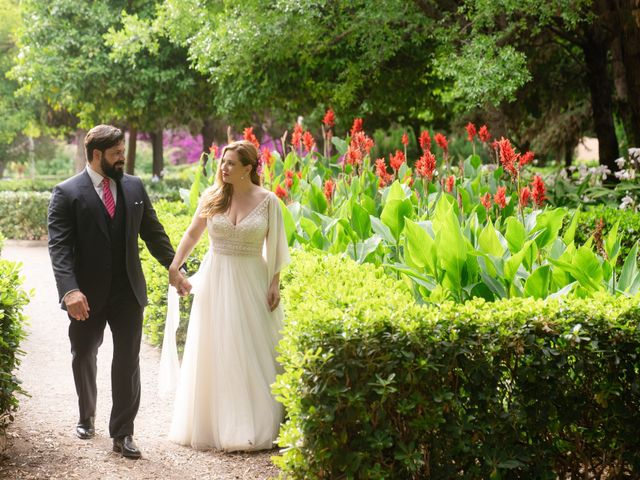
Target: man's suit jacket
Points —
{"points": [[80, 245]]}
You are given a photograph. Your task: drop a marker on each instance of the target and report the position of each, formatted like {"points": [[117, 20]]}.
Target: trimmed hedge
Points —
{"points": [[175, 219], [12, 301], [23, 215], [376, 386]]}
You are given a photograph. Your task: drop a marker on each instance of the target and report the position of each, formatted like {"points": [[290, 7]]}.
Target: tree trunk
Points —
{"points": [[208, 132], [629, 35], [158, 155], [131, 150], [2, 166], [595, 50], [621, 97], [81, 156]]}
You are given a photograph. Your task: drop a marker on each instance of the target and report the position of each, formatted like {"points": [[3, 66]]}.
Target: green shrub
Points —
{"points": [[629, 228], [12, 301], [376, 386], [23, 215], [174, 218], [30, 184]]}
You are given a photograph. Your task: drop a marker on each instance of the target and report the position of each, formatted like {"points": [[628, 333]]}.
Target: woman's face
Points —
{"points": [[232, 168]]}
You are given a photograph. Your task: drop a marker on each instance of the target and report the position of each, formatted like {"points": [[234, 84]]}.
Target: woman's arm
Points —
{"points": [[186, 246]]}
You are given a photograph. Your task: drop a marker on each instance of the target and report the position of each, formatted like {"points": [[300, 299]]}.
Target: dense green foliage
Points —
{"points": [[175, 220], [23, 215], [13, 299], [378, 387]]}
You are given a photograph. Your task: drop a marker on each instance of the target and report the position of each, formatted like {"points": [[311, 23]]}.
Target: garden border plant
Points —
{"points": [[376, 386]]}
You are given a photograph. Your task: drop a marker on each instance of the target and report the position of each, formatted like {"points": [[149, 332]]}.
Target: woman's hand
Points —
{"points": [[273, 295]]}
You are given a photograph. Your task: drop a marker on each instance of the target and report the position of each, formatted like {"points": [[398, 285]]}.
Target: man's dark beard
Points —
{"points": [[110, 170]]}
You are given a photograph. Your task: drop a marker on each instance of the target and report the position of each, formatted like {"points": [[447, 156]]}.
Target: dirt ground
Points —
{"points": [[41, 441]]}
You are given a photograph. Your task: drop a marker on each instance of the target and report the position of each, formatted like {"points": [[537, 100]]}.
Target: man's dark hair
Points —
{"points": [[100, 138]]}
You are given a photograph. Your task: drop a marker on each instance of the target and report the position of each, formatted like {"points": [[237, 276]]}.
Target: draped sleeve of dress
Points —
{"points": [[223, 397]]}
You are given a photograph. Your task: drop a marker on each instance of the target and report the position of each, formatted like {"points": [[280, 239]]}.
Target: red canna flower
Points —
{"points": [[526, 158], [486, 200], [213, 150], [451, 180], [508, 157], [248, 135], [329, 119], [538, 190], [308, 141], [525, 197], [329, 187], [266, 158], [288, 182], [405, 139], [441, 140], [297, 136], [281, 192], [353, 156], [426, 165], [397, 160], [356, 127], [384, 177], [425, 141], [288, 174], [500, 197], [484, 134], [471, 131]]}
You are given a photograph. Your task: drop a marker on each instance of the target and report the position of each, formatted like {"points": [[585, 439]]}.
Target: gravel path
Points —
{"points": [[42, 443]]}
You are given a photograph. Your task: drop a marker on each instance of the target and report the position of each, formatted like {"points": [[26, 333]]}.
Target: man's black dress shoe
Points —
{"points": [[85, 429], [126, 446]]}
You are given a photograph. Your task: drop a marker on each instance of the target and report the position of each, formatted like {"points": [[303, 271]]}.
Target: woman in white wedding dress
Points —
{"points": [[223, 397]]}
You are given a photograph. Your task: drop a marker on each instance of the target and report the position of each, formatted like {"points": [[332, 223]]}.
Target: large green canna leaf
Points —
{"points": [[360, 221], [452, 248], [289, 223], [317, 200], [488, 241], [515, 234], [537, 285], [612, 243], [550, 223], [382, 230], [394, 213], [570, 233], [421, 247], [512, 264], [629, 273], [587, 262]]}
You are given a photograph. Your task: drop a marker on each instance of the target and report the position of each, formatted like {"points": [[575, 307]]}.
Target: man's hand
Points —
{"points": [[77, 305]]}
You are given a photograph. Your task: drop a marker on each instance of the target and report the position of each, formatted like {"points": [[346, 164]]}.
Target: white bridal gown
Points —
{"points": [[223, 397]]}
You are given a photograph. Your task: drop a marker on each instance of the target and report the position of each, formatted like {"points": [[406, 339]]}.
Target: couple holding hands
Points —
{"points": [[223, 394]]}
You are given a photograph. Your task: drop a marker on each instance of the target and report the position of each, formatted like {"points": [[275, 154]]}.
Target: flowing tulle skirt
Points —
{"points": [[224, 398]]}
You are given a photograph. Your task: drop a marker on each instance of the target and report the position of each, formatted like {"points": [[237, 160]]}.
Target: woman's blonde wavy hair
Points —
{"points": [[217, 199]]}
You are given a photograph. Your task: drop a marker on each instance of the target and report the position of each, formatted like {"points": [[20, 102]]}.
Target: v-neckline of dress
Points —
{"points": [[248, 214]]}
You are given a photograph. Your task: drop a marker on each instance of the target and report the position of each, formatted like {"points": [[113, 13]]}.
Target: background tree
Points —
{"points": [[65, 60]]}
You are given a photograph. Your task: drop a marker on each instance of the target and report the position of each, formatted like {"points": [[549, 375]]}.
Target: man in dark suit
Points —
{"points": [[94, 221]]}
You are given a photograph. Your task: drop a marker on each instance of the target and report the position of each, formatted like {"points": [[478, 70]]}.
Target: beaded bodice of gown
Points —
{"points": [[245, 238]]}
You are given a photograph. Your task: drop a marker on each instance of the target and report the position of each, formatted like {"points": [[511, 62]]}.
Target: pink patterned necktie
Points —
{"points": [[107, 197]]}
